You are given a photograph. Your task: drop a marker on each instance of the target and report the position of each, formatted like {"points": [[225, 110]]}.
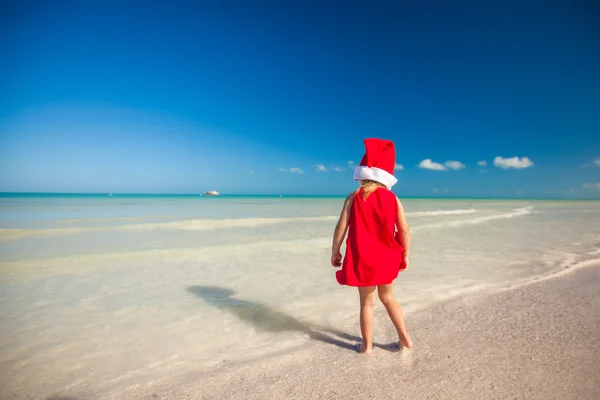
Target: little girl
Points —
{"points": [[375, 252]]}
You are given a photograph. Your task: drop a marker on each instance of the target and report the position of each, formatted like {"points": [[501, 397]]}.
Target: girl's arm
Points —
{"points": [[340, 232], [403, 229]]}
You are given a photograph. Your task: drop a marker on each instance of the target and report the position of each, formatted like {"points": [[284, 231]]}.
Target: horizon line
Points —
{"points": [[112, 194]]}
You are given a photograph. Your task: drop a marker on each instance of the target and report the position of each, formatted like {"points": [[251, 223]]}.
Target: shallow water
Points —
{"points": [[102, 293]]}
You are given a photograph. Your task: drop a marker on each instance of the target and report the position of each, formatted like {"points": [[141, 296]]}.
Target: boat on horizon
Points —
{"points": [[212, 193]]}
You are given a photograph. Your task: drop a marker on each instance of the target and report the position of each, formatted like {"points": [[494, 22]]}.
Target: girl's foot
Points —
{"points": [[405, 343], [362, 348]]}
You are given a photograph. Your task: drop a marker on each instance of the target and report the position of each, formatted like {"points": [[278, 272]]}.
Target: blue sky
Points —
{"points": [[184, 97]]}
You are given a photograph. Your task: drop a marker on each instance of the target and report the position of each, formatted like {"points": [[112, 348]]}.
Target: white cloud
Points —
{"points": [[428, 164], [251, 172], [597, 161], [482, 163], [592, 185], [292, 170], [398, 167], [450, 164], [350, 163], [454, 164], [513, 162], [323, 168], [441, 190]]}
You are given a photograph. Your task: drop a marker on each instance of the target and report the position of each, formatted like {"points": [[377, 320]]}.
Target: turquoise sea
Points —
{"points": [[101, 294]]}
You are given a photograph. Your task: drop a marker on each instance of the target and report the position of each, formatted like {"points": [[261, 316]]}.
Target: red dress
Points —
{"points": [[374, 255]]}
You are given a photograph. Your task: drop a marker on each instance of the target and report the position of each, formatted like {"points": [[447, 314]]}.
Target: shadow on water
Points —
{"points": [[267, 319]]}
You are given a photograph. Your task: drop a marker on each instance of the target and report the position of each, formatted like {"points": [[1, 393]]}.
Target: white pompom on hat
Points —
{"points": [[378, 162]]}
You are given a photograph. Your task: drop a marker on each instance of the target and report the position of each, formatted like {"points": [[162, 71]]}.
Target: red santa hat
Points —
{"points": [[378, 162]]}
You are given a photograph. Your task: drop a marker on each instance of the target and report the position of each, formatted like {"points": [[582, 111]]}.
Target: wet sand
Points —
{"points": [[534, 341]]}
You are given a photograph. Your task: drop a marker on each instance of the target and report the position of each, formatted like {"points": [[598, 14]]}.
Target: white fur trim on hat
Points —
{"points": [[375, 174]]}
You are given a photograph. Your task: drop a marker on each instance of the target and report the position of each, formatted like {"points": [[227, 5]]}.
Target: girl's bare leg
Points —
{"points": [[367, 305], [386, 295]]}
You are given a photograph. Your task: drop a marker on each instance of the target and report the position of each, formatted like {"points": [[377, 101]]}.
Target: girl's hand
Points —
{"points": [[406, 259], [336, 259]]}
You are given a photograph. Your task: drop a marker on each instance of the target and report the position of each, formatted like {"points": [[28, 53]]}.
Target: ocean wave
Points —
{"points": [[209, 224], [565, 268], [191, 225], [517, 212], [213, 224], [92, 220], [440, 212]]}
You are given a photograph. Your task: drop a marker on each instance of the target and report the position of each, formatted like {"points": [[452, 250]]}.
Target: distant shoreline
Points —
{"points": [[278, 195]]}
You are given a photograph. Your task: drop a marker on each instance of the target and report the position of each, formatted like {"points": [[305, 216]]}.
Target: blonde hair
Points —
{"points": [[369, 187]]}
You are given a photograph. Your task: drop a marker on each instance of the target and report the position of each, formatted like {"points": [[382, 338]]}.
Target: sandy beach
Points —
{"points": [[534, 341], [501, 300]]}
